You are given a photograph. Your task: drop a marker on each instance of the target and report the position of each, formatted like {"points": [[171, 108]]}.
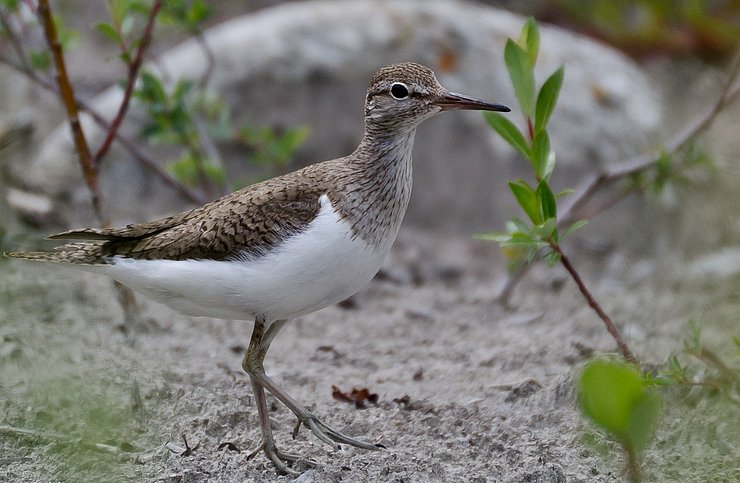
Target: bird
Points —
{"points": [[283, 247]]}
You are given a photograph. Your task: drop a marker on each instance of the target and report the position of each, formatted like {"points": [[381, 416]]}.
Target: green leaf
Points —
{"points": [[573, 228], [127, 25], [546, 201], [527, 199], [552, 259], [643, 419], [507, 130], [547, 99], [68, 38], [40, 59], [109, 31], [529, 39], [546, 229], [523, 240], [518, 225], [11, 5], [494, 236], [541, 155], [564, 192], [521, 72], [614, 396]]}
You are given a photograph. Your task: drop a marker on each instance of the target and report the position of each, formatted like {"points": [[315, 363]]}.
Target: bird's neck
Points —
{"points": [[384, 147], [381, 192]]}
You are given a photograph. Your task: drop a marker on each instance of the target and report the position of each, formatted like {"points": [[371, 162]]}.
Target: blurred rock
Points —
{"points": [[309, 64], [30, 205]]}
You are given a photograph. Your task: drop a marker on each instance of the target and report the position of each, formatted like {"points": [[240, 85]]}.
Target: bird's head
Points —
{"points": [[400, 96]]}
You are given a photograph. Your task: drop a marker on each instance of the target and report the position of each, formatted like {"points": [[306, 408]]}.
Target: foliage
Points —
{"points": [[713, 373], [672, 170], [182, 114], [643, 27], [523, 240], [621, 402]]}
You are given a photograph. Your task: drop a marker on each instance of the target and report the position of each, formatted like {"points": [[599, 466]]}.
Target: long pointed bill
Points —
{"points": [[452, 100]]}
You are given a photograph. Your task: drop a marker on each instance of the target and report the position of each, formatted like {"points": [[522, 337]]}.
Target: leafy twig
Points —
{"points": [[133, 71], [615, 172], [128, 144], [67, 95]]}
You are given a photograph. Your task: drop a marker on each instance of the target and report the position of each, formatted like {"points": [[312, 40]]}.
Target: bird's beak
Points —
{"points": [[452, 100]]}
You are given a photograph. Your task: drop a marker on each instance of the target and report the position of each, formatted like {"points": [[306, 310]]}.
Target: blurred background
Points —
{"points": [[279, 88]]}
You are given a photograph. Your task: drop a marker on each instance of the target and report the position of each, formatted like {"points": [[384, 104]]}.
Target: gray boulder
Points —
{"points": [[308, 64]]}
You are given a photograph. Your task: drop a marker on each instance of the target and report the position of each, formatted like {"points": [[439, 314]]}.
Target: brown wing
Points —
{"points": [[252, 221]]}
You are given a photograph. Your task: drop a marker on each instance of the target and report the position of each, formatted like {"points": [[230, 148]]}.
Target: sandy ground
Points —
{"points": [[468, 390]]}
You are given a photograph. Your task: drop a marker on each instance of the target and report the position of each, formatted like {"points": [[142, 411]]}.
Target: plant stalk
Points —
{"points": [[623, 348]]}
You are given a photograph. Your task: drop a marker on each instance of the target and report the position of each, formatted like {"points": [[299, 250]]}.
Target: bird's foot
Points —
{"points": [[330, 436], [280, 458]]}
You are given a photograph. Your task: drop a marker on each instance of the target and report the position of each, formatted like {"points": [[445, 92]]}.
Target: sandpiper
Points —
{"points": [[284, 247]]}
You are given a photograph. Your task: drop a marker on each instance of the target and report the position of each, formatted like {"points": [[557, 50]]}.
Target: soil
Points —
{"points": [[467, 390]]}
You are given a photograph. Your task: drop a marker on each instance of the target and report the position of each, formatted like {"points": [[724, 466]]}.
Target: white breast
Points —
{"points": [[320, 266]]}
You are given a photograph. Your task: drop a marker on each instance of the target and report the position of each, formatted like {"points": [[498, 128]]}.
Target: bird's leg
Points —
{"points": [[253, 365]]}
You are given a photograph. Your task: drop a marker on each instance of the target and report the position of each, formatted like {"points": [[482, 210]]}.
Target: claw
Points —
{"points": [[279, 458], [329, 435]]}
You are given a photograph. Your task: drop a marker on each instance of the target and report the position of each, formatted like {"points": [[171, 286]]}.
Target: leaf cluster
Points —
{"points": [[713, 373], [538, 201], [673, 170], [184, 114], [621, 402]]}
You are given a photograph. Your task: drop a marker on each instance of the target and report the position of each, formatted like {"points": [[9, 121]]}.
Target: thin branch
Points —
{"points": [[210, 60], [133, 73], [66, 92], [710, 358], [640, 163], [14, 40], [593, 184], [131, 146], [626, 352], [138, 153]]}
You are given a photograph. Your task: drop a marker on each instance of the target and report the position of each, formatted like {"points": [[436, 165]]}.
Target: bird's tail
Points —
{"points": [[71, 253]]}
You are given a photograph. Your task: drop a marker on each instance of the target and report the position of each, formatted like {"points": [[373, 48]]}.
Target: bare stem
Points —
{"points": [[210, 60], [633, 465], [133, 73], [624, 349], [67, 95]]}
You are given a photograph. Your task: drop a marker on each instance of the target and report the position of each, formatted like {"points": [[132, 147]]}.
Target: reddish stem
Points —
{"points": [[133, 73], [66, 92], [626, 352]]}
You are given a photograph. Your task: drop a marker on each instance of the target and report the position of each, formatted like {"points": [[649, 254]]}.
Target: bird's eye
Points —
{"points": [[399, 91]]}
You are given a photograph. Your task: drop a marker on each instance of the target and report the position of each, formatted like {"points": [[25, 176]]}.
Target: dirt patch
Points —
{"points": [[467, 390]]}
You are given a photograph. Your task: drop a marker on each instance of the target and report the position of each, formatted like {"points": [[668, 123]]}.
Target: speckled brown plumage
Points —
{"points": [[371, 188]]}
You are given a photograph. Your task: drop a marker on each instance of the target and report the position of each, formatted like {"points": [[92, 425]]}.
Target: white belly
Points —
{"points": [[321, 266]]}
